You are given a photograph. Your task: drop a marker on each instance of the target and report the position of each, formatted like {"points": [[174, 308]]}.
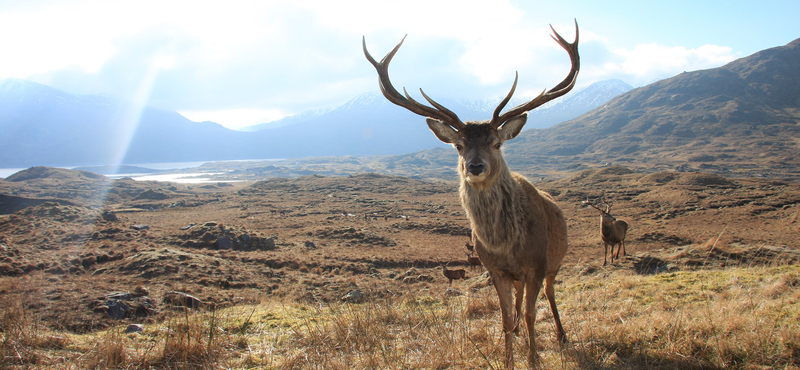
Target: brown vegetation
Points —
{"points": [[711, 280]]}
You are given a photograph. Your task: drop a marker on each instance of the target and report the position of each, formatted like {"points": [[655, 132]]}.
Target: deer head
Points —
{"points": [[478, 143], [605, 214]]}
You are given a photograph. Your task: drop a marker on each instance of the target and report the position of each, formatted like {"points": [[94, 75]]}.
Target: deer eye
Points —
{"points": [[459, 147], [498, 145]]}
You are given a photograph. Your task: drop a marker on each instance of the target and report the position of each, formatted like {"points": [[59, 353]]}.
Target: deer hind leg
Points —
{"points": [[605, 252], [533, 287], [624, 252], [619, 247], [503, 286], [550, 293]]}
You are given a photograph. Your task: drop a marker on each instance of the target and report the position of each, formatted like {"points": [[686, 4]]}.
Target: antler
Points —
{"points": [[562, 88], [438, 111], [586, 202], [608, 205]]}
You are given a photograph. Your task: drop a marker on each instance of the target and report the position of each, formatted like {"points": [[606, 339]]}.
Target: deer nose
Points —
{"points": [[476, 168]]}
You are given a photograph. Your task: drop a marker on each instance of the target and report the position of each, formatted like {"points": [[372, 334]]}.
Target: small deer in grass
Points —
{"points": [[453, 274], [612, 231], [469, 248], [474, 261], [520, 234]]}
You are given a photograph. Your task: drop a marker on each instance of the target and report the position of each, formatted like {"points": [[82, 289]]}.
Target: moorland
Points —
{"points": [[345, 272]]}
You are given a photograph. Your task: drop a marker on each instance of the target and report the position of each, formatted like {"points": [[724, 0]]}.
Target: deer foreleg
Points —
{"points": [[503, 286], [519, 293]]}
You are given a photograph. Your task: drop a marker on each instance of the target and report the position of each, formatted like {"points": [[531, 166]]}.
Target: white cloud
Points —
{"points": [[247, 62], [50, 39], [646, 63]]}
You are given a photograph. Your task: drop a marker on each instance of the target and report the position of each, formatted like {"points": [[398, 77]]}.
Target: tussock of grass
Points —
{"points": [[738, 317], [741, 318]]}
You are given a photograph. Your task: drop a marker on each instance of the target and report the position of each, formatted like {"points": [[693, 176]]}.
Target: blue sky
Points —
{"points": [[240, 63]]}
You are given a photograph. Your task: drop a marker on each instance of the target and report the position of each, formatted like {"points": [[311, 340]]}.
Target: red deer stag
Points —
{"points": [[453, 274], [612, 231], [520, 234], [474, 261]]}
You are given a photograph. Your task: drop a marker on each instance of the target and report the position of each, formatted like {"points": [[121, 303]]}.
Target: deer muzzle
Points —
{"points": [[476, 169]]}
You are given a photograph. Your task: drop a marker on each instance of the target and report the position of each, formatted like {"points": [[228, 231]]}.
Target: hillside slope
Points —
{"points": [[742, 117]]}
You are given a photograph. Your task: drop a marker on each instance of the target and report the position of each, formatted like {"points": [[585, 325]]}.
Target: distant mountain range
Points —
{"points": [[741, 118], [287, 121], [45, 126], [571, 106]]}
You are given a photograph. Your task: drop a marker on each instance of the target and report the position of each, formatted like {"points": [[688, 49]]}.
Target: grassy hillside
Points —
{"points": [[741, 317]]}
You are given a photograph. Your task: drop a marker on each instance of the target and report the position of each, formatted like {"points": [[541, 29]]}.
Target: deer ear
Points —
{"points": [[512, 127], [443, 131]]}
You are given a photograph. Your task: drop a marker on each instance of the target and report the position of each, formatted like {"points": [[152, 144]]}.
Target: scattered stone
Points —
{"points": [[121, 305], [120, 296], [181, 299], [110, 216], [212, 235], [141, 291], [9, 270], [140, 227], [310, 245], [649, 265], [353, 296], [450, 292], [152, 195], [134, 328], [117, 309], [224, 243]]}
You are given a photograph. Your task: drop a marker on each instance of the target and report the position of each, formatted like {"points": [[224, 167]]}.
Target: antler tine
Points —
{"points": [[505, 100], [562, 88], [586, 202], [438, 112], [608, 206]]}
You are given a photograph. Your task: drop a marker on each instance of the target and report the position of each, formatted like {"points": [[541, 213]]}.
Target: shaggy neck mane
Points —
{"points": [[493, 212]]}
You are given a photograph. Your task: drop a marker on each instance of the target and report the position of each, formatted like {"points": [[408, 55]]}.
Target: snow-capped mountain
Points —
{"points": [[301, 117], [573, 105]]}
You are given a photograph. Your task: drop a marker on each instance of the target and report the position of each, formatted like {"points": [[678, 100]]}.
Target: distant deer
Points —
{"points": [[612, 231], [473, 261], [453, 274], [520, 234], [469, 248]]}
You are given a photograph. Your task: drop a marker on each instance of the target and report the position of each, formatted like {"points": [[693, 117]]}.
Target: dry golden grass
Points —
{"points": [[740, 318]]}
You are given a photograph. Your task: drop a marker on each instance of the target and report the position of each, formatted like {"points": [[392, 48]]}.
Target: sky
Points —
{"points": [[240, 63]]}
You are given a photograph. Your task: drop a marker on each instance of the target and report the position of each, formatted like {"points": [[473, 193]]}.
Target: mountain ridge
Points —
{"points": [[46, 126], [746, 112]]}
